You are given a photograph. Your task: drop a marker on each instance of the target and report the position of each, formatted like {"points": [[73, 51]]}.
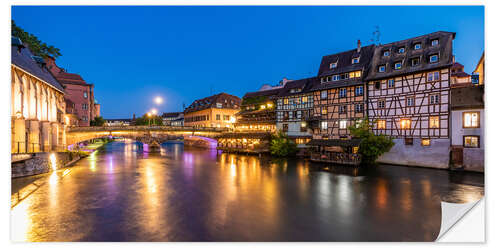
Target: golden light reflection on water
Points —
{"points": [[21, 224]]}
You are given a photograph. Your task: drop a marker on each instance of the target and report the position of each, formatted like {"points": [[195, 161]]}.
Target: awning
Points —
{"points": [[335, 142]]}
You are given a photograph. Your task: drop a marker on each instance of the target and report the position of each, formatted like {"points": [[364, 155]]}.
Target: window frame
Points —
{"points": [[478, 119], [355, 60], [434, 55], [333, 65], [343, 122], [412, 98], [412, 60], [400, 65], [435, 40], [393, 83], [401, 50], [342, 92], [326, 95], [386, 51], [415, 46], [401, 123], [437, 99], [379, 122], [381, 67], [474, 136], [323, 128], [432, 118], [425, 144], [357, 92]]}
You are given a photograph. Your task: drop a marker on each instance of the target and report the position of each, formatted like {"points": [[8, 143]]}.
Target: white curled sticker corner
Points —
{"points": [[451, 213]]}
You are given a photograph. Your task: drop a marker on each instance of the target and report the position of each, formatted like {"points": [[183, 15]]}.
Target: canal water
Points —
{"points": [[124, 193]]}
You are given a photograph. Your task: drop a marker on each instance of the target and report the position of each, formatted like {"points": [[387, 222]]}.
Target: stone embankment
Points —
{"points": [[44, 162]]}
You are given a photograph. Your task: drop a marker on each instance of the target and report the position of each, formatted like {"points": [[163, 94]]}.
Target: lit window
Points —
{"points": [[342, 92], [433, 76], [398, 65], [410, 101], [433, 58], [471, 119], [285, 101], [355, 60], [390, 83], [262, 106], [401, 50], [381, 104], [324, 111], [415, 61], [434, 122], [417, 46], [387, 53], [471, 141], [359, 90], [358, 123], [426, 142], [304, 99], [324, 125], [343, 124], [324, 94], [333, 65], [405, 123], [357, 73], [435, 42], [381, 68], [380, 124], [434, 99]]}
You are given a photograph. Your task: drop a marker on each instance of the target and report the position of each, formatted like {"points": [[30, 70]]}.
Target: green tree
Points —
{"points": [[282, 146], [36, 46], [98, 121], [153, 120], [372, 146]]}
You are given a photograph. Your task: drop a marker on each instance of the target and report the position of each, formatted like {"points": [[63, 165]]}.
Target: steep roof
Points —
{"points": [[443, 49], [226, 100], [344, 61], [23, 58], [297, 87]]}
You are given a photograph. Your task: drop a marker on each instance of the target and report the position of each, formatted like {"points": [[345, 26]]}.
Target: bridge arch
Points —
{"points": [[192, 136]]}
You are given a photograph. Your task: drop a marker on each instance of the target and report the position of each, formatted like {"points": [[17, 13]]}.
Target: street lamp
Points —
{"points": [[149, 118]]}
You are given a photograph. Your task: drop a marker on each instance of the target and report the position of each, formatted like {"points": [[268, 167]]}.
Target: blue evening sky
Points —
{"points": [[133, 54]]}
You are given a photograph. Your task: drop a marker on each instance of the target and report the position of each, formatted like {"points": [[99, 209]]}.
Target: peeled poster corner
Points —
{"points": [[451, 214]]}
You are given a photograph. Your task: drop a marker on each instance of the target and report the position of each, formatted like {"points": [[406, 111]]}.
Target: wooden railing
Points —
{"points": [[337, 157]]}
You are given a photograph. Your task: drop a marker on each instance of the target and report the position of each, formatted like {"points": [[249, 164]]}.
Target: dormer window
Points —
{"points": [[415, 61], [417, 46], [435, 42], [381, 68], [333, 65], [387, 53], [434, 58], [336, 77], [401, 50], [355, 60], [398, 65]]}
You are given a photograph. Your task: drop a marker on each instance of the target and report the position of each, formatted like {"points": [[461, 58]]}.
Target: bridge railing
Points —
{"points": [[148, 128]]}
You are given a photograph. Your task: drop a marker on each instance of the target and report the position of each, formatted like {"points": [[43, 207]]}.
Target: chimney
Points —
{"points": [[133, 117], [359, 45]]}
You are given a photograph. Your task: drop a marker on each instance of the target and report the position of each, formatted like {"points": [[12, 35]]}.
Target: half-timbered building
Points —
{"points": [[294, 105], [339, 102], [409, 98]]}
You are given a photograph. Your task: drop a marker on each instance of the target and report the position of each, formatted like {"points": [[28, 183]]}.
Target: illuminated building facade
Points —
{"points": [[216, 111], [258, 111], [409, 98], [294, 105], [38, 107]]}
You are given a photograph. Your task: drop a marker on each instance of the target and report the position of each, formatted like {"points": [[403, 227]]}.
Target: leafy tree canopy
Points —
{"points": [[149, 120], [98, 121], [282, 146], [36, 46], [372, 146]]}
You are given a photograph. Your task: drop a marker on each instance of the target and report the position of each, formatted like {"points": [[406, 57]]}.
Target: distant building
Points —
{"points": [[38, 107], [479, 70], [173, 119], [118, 122], [216, 111], [458, 76], [77, 91], [258, 111]]}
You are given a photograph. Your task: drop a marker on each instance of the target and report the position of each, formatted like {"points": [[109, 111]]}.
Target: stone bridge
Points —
{"points": [[155, 135]]}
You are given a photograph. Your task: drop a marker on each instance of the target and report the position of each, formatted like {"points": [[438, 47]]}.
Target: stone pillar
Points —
{"points": [[54, 135], [46, 136], [18, 136], [34, 136]]}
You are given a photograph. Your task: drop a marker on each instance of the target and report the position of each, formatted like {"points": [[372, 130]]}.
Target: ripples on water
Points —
{"points": [[124, 193]]}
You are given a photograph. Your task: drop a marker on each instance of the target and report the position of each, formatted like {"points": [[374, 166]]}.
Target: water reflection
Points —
{"points": [[123, 193]]}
